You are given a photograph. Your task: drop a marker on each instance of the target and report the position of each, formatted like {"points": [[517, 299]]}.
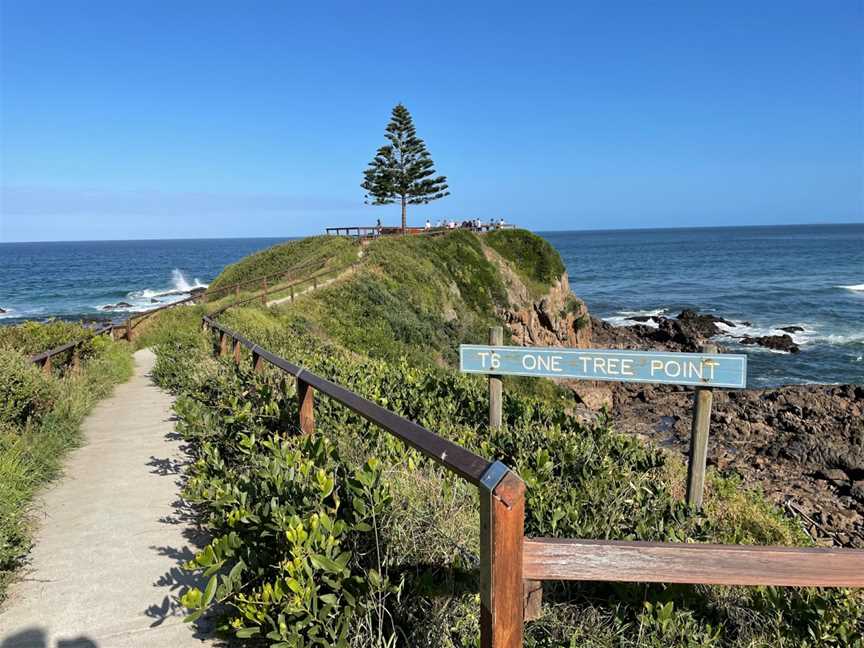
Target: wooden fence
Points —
{"points": [[513, 567], [45, 359]]}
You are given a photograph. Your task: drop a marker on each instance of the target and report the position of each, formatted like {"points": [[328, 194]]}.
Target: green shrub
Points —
{"points": [[31, 338], [419, 584], [533, 256], [25, 392]]}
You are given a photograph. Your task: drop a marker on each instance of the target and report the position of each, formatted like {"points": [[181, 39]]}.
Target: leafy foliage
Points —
{"points": [[532, 256], [31, 338], [403, 169], [412, 576], [25, 392]]}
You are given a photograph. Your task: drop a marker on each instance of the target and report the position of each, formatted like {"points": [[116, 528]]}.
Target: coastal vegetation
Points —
{"points": [[348, 538], [40, 417]]}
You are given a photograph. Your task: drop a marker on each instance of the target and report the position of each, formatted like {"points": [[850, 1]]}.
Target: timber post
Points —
{"points": [[292, 292], [496, 338], [502, 528], [223, 343], [76, 360], [264, 294], [237, 291], [129, 329], [46, 366], [237, 349], [703, 397], [257, 363], [306, 406]]}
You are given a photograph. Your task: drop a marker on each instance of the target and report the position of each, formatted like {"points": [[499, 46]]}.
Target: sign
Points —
{"points": [[698, 369]]}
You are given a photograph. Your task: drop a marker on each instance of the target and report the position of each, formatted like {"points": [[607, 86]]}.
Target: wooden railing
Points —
{"points": [[512, 566], [313, 280], [45, 359]]}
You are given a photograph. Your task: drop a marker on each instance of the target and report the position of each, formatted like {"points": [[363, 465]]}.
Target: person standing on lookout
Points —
{"points": [[428, 225]]}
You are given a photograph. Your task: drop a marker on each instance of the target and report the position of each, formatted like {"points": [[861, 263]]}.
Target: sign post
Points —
{"points": [[704, 371], [703, 398], [496, 338]]}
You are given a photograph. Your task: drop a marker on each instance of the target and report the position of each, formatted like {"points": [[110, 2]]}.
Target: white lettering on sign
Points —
{"points": [[726, 370], [543, 362]]}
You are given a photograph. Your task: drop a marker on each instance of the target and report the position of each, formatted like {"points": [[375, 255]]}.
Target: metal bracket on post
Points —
{"points": [[493, 475]]}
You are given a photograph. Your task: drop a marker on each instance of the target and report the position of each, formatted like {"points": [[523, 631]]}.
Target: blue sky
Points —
{"points": [[181, 119]]}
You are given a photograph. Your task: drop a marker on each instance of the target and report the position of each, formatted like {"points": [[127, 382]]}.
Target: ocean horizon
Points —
{"points": [[760, 278]]}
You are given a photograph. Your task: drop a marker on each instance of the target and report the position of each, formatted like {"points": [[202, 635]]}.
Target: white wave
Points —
{"points": [[150, 298], [625, 318], [10, 312], [855, 288]]}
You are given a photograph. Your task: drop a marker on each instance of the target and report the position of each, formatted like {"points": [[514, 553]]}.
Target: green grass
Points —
{"points": [[533, 256], [317, 251], [32, 448]]}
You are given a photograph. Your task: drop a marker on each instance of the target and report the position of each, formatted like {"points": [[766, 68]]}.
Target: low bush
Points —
{"points": [[410, 576], [25, 391]]}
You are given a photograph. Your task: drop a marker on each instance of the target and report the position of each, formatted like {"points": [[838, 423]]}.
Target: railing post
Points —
{"points": [[237, 349], [306, 406], [315, 283], [223, 343], [292, 292], [496, 338], [264, 295], [237, 291], [502, 527], [129, 329], [46, 366], [703, 397], [257, 363], [76, 361]]}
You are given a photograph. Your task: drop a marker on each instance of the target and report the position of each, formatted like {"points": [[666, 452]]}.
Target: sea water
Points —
{"points": [[760, 278]]}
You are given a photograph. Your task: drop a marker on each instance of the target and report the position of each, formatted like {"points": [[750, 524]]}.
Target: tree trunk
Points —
{"points": [[404, 219]]}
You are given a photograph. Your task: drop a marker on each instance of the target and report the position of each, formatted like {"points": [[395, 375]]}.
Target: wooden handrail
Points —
{"points": [[455, 458], [502, 492], [44, 358], [706, 564]]}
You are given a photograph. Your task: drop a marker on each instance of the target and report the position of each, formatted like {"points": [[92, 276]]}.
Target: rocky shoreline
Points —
{"points": [[801, 445]]}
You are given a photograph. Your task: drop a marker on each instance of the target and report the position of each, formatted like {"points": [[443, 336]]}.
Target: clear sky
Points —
{"points": [[147, 119]]}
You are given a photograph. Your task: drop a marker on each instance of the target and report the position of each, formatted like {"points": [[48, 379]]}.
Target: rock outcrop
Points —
{"points": [[559, 318], [783, 342], [802, 445]]}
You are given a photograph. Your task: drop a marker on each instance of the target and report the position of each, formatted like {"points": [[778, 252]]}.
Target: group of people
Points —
{"points": [[475, 225]]}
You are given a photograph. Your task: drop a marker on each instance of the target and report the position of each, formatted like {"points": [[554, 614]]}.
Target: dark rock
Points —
{"points": [[155, 301], [791, 329], [643, 318], [777, 342], [198, 291], [833, 475], [116, 306], [3, 311], [857, 490]]}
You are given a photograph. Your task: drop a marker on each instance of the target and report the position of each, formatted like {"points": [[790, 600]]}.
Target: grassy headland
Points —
{"points": [[40, 418], [348, 538]]}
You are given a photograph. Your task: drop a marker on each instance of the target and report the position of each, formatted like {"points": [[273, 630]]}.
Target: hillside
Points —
{"points": [[399, 535]]}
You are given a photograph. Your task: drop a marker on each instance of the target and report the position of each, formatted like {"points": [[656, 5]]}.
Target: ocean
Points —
{"points": [[760, 278]]}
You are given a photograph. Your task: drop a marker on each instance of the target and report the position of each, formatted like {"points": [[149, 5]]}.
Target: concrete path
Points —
{"points": [[104, 570]]}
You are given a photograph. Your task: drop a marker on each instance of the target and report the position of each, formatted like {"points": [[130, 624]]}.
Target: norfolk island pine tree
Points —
{"points": [[403, 169]]}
